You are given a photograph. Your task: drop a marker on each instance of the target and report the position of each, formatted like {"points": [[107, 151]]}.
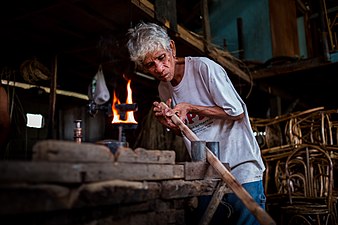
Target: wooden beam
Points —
{"points": [[46, 89], [285, 69], [145, 6], [62, 172]]}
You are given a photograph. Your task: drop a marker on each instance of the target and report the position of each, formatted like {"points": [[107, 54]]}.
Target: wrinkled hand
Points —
{"points": [[181, 110], [164, 114]]}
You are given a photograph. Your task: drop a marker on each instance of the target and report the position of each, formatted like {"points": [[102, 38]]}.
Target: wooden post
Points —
{"points": [[206, 25], [52, 101], [213, 204], [240, 38]]}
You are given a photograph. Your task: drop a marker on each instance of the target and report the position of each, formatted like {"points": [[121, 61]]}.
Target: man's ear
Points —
{"points": [[173, 47]]}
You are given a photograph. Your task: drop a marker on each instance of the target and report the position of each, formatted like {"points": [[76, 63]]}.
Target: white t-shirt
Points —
{"points": [[206, 83]]}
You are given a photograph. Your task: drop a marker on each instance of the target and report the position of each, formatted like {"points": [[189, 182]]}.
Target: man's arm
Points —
{"points": [[211, 111], [182, 109]]}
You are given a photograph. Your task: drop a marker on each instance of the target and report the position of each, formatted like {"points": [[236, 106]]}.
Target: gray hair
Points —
{"points": [[145, 38]]}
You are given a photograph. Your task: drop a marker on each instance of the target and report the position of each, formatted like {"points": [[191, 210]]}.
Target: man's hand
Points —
{"points": [[164, 115]]}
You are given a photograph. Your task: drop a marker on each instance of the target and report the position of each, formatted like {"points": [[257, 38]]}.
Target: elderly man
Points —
{"points": [[203, 96]]}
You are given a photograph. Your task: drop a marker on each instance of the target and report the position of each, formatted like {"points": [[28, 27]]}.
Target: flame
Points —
{"points": [[129, 93], [129, 114], [116, 114]]}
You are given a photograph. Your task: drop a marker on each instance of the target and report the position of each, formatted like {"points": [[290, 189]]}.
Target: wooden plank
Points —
{"points": [[68, 151], [31, 198], [128, 171], [116, 192], [141, 155], [41, 171], [24, 198], [200, 170], [283, 23], [180, 188], [27, 171]]}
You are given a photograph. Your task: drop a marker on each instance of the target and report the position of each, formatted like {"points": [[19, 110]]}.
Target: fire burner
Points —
{"points": [[123, 123], [123, 119]]}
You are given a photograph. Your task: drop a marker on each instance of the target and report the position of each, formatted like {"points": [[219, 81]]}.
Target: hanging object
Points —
{"points": [[98, 91]]}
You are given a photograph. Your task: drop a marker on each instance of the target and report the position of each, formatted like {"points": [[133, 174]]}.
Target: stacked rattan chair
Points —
{"points": [[309, 180]]}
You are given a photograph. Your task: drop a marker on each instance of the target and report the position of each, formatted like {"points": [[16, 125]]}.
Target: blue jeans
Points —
{"points": [[240, 215], [231, 210]]}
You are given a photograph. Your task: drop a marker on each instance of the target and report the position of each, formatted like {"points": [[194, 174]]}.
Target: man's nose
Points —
{"points": [[158, 67]]}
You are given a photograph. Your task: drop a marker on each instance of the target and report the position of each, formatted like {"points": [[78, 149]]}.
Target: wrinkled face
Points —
{"points": [[160, 64]]}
